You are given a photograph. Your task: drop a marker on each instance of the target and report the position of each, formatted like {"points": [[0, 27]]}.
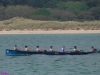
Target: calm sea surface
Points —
{"points": [[47, 64]]}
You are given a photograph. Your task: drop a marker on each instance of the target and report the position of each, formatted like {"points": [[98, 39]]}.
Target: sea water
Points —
{"points": [[50, 64]]}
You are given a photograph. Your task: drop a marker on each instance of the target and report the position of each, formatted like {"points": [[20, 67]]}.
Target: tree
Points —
{"points": [[61, 5], [86, 15], [93, 3], [96, 12], [51, 4], [14, 11], [76, 7], [41, 11], [2, 12], [40, 14], [62, 15]]}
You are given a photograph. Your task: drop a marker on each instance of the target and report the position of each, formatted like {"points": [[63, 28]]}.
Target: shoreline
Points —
{"points": [[50, 32]]}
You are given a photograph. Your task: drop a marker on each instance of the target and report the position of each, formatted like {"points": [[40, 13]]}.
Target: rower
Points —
{"points": [[75, 48], [93, 49], [26, 48], [51, 49], [38, 48], [15, 47], [63, 48]]}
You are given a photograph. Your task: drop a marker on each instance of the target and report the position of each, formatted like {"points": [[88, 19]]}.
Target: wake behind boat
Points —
{"points": [[10, 52]]}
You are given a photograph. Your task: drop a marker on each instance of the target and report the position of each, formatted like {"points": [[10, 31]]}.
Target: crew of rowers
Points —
{"points": [[52, 50]]}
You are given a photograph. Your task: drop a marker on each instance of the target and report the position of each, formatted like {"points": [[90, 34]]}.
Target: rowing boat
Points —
{"points": [[10, 52], [68, 53]]}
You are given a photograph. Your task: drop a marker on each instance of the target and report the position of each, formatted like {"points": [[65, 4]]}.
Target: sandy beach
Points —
{"points": [[50, 32]]}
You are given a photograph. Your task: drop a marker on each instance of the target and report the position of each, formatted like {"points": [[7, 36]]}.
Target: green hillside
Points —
{"points": [[51, 10]]}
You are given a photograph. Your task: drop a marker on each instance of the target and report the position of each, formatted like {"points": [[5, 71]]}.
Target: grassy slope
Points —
{"points": [[28, 24]]}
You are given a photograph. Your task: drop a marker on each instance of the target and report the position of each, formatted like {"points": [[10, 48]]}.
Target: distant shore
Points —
{"points": [[50, 32]]}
